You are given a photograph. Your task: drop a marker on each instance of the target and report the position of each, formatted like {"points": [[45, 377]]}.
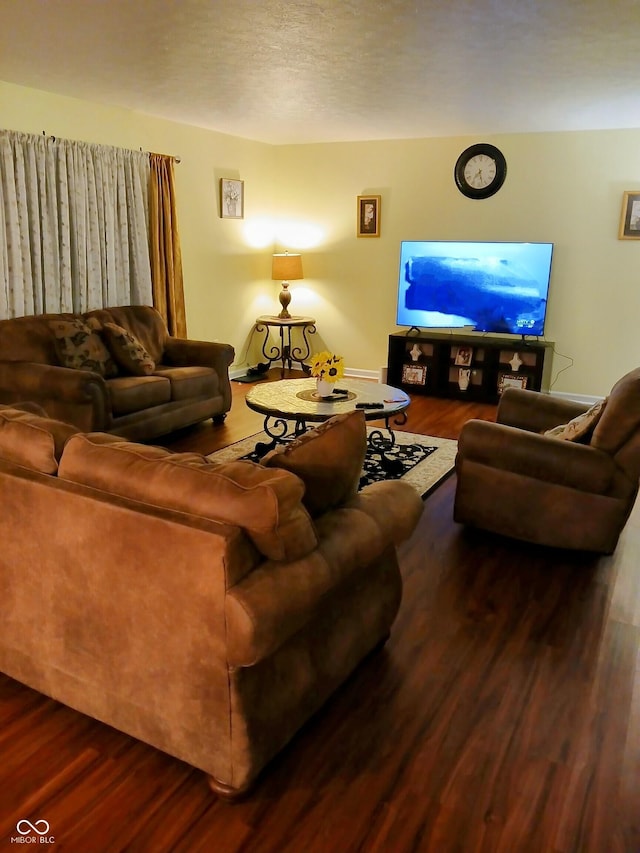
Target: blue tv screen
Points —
{"points": [[492, 287]]}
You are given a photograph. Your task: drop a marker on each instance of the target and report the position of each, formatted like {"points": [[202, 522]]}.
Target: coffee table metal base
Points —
{"points": [[291, 406], [281, 431], [380, 445]]}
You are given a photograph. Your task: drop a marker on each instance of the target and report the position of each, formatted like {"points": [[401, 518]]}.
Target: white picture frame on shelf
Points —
{"points": [[464, 356], [510, 380], [414, 374]]}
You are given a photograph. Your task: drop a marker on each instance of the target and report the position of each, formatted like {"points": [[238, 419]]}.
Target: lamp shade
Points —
{"points": [[286, 267]]}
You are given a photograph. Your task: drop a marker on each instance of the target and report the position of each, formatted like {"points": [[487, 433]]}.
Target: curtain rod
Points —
{"points": [[174, 158]]}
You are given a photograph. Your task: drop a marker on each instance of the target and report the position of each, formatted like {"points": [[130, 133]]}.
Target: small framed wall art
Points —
{"points": [[414, 374], [630, 216], [464, 356], [231, 198], [368, 216], [510, 380]]}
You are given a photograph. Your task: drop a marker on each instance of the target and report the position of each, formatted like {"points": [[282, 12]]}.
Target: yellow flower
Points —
{"points": [[325, 365]]}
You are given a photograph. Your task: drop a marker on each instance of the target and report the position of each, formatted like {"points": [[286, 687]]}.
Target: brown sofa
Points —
{"points": [[197, 607], [574, 491], [181, 383]]}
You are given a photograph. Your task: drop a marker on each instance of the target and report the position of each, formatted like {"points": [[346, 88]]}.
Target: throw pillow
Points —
{"points": [[127, 350], [80, 347], [328, 459], [581, 426]]}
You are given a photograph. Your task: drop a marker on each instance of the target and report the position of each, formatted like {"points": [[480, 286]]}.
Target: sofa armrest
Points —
{"points": [[395, 507], [277, 599], [535, 411], [179, 352], [528, 454], [54, 388]]}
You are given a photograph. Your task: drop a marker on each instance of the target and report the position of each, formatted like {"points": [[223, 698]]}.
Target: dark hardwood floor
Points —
{"points": [[502, 715]]}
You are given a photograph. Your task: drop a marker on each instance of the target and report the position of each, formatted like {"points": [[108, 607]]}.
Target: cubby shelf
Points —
{"points": [[475, 367]]}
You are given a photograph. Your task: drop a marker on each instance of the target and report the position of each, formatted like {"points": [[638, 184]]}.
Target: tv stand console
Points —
{"points": [[463, 366]]}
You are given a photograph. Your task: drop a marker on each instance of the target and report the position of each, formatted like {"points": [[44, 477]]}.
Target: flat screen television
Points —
{"points": [[490, 287]]}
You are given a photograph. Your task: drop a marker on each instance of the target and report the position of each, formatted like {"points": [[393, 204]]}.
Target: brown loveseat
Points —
{"points": [[53, 360], [197, 607], [515, 480]]}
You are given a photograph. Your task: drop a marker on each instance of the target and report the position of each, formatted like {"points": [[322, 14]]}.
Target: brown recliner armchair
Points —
{"points": [[516, 481]]}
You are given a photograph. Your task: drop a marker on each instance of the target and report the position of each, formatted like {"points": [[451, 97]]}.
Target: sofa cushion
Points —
{"points": [[127, 351], [79, 347], [265, 504], [32, 441], [135, 393], [144, 322], [187, 383], [580, 427], [328, 459]]}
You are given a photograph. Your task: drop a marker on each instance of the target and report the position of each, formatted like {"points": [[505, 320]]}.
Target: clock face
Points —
{"points": [[480, 171]]}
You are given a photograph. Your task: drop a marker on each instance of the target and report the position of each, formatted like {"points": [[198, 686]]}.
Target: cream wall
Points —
{"points": [[561, 187], [565, 188]]}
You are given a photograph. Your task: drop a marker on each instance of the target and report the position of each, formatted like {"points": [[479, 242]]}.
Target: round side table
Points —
{"points": [[286, 352]]}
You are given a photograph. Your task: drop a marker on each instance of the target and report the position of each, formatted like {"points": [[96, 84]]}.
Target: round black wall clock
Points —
{"points": [[480, 170]]}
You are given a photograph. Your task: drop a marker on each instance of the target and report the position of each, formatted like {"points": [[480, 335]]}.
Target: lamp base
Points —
{"points": [[285, 298]]}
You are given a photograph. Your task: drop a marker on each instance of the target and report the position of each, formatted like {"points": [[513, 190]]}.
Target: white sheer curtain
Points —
{"points": [[73, 226]]}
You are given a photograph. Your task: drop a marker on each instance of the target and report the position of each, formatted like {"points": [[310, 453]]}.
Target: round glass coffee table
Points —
{"points": [[290, 405]]}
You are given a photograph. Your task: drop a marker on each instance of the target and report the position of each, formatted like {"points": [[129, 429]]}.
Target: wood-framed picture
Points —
{"points": [[464, 356], [231, 198], [369, 216], [630, 216], [511, 380], [414, 374]]}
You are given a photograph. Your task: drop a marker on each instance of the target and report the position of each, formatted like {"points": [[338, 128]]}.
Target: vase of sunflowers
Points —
{"points": [[327, 368]]}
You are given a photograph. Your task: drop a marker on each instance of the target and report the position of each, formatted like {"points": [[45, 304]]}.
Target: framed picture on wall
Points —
{"points": [[368, 216], [630, 216], [231, 198]]}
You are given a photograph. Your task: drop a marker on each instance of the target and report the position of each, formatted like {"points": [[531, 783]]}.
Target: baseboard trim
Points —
{"points": [[359, 373], [234, 372], [587, 399], [376, 375]]}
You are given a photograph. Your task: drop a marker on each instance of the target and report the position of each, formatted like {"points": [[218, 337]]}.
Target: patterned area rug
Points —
{"points": [[420, 460]]}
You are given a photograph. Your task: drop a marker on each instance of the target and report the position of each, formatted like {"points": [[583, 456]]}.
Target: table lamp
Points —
{"points": [[286, 268]]}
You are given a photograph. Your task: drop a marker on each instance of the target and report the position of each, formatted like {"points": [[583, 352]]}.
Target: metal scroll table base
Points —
{"points": [[286, 352], [281, 430]]}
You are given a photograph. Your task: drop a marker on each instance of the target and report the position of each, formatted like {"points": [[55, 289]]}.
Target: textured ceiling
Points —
{"points": [[292, 71]]}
